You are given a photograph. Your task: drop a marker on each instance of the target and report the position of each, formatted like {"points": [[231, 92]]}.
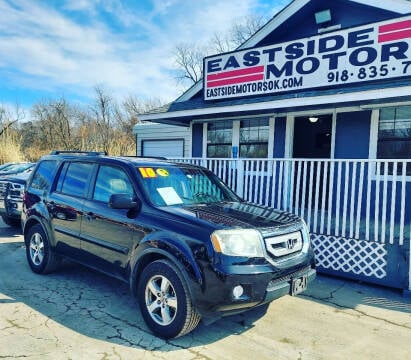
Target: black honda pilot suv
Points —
{"points": [[188, 246]]}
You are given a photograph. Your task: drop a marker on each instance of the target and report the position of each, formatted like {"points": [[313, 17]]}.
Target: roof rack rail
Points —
{"points": [[78, 152], [146, 157]]}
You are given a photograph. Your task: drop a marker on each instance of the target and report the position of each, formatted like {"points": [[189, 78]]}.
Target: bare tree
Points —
{"points": [[189, 57], [55, 125], [220, 43], [242, 30], [134, 106], [9, 117], [189, 61], [102, 125], [102, 119]]}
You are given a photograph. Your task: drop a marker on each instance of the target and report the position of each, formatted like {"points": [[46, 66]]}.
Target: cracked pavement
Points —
{"points": [[77, 313]]}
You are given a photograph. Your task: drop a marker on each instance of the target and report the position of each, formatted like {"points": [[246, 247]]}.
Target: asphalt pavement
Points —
{"points": [[77, 313]]}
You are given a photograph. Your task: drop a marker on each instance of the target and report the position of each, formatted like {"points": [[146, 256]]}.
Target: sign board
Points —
{"points": [[366, 53]]}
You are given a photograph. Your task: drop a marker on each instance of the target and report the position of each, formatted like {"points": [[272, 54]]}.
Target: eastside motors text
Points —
{"points": [[366, 53]]}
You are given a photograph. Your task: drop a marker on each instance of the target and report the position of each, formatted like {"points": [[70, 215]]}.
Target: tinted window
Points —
{"points": [[394, 136], [219, 138], [254, 138], [111, 180], [43, 177], [76, 179]]}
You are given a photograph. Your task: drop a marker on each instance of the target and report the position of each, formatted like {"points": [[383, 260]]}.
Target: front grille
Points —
{"points": [[284, 241], [283, 245], [3, 187], [16, 190]]}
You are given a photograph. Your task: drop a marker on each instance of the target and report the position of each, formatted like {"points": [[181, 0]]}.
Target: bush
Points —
{"points": [[10, 148]]}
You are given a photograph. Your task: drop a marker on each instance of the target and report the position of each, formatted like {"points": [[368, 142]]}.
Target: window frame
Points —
{"points": [[255, 141], [50, 174], [95, 179], [230, 143], [61, 178], [372, 154]]}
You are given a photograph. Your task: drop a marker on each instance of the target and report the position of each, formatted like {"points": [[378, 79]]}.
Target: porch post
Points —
{"points": [[240, 177]]}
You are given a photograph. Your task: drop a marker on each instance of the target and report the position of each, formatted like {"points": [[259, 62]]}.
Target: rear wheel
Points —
{"points": [[39, 254], [165, 301]]}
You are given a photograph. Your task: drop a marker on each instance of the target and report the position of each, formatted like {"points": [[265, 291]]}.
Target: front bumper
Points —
{"points": [[14, 207], [258, 294], [258, 288]]}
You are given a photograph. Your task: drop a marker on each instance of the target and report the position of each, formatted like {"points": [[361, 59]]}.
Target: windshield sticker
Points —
{"points": [[162, 172], [147, 172], [169, 196]]}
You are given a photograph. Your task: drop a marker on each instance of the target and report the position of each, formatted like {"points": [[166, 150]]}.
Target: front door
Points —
{"points": [[312, 140], [106, 233], [312, 137]]}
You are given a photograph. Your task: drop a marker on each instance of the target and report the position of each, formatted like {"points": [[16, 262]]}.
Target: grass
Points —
{"points": [[10, 149]]}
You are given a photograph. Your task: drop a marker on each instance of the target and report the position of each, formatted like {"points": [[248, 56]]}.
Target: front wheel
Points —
{"points": [[165, 301]]}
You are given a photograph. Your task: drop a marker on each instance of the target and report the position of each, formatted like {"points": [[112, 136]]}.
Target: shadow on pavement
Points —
{"points": [[351, 294], [8, 231], [98, 306]]}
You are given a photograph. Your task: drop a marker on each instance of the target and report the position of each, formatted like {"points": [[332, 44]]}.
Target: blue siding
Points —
{"points": [[352, 139], [197, 140], [279, 137], [344, 13]]}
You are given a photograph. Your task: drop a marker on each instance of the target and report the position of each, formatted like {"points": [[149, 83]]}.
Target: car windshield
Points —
{"points": [[179, 185], [5, 166], [16, 168]]}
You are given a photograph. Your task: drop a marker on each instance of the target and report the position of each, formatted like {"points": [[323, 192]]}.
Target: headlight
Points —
{"points": [[305, 232], [238, 242]]}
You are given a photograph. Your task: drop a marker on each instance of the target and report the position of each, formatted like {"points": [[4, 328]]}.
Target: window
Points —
{"points": [[254, 138], [74, 179], [43, 177], [180, 185], [394, 134], [111, 180], [219, 139]]}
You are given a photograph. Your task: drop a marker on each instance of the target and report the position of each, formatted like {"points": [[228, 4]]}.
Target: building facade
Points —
{"points": [[313, 115]]}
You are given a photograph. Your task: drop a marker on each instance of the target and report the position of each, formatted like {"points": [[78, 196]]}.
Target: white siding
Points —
{"points": [[159, 138], [167, 148]]}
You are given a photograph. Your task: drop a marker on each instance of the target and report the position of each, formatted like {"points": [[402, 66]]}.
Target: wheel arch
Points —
{"points": [[32, 222], [150, 255]]}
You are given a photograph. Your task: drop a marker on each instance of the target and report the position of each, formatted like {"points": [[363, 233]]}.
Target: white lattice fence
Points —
{"points": [[349, 199], [364, 258]]}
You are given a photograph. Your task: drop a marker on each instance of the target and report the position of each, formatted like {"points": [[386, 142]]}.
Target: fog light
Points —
{"points": [[238, 291]]}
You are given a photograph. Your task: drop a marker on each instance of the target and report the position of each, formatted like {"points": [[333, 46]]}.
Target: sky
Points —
{"points": [[64, 48]]}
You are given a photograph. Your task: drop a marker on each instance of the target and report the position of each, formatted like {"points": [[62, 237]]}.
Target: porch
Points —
{"points": [[358, 211]]}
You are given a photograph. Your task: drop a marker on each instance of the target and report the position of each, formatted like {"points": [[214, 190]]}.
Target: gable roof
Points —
{"points": [[400, 7]]}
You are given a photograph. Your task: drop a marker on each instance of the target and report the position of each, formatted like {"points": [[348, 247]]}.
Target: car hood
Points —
{"points": [[237, 214], [19, 178]]}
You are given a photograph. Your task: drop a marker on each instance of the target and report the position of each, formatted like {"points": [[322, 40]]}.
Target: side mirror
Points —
{"points": [[123, 201]]}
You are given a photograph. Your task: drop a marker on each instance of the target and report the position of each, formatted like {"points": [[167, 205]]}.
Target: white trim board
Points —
{"points": [[377, 94]]}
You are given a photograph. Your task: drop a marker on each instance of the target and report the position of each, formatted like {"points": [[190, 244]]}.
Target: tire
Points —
{"points": [[39, 254], [165, 302], [10, 221]]}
